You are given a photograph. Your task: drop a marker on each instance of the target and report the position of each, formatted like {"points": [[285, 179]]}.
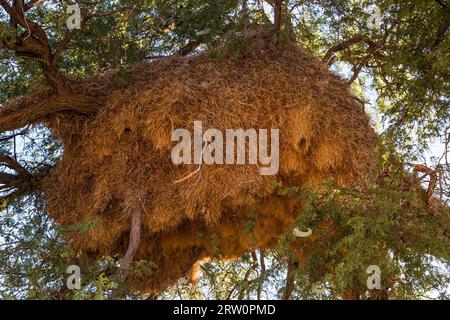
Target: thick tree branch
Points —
{"points": [[8, 179], [262, 274], [278, 8], [12, 136], [328, 58], [32, 4], [357, 69], [70, 35], [32, 109], [13, 165], [33, 44], [12, 13], [133, 244]]}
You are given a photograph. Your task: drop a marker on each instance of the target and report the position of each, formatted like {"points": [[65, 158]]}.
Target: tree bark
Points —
{"points": [[133, 244], [32, 109], [135, 237], [278, 8], [290, 277]]}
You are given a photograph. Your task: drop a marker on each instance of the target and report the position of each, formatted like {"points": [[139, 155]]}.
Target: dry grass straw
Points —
{"points": [[119, 159]]}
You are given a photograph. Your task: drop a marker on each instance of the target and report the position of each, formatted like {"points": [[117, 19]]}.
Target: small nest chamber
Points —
{"points": [[119, 160]]}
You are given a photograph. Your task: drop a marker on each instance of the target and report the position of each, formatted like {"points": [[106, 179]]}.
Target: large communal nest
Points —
{"points": [[119, 160]]}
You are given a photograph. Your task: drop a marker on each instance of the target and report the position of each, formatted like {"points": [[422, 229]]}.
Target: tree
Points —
{"points": [[397, 218]]}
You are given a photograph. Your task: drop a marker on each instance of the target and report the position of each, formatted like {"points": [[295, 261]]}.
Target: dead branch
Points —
{"points": [[290, 277], [278, 7], [7, 179], [135, 237], [32, 4], [13, 165]]}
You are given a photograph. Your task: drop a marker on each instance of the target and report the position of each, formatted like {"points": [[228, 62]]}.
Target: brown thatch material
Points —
{"points": [[119, 160]]}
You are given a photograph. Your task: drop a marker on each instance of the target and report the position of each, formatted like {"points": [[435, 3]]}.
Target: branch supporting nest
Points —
{"points": [[28, 111], [133, 244], [278, 7], [16, 184], [329, 56], [33, 44], [429, 172]]}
